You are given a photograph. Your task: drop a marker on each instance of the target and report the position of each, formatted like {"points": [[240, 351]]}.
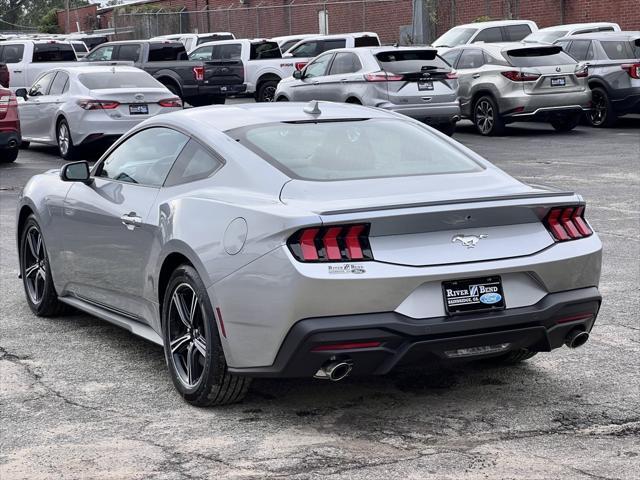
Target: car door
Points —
{"points": [[308, 88], [13, 56], [108, 239], [35, 112], [342, 80], [469, 69]]}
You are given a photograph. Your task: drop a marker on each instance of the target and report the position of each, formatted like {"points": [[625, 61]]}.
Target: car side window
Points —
{"points": [[451, 57], [231, 51], [307, 49], [102, 54], [333, 44], [12, 54], [202, 53], [194, 163], [345, 63], [129, 53], [41, 85], [318, 67], [145, 158], [60, 84], [515, 33], [580, 50], [493, 34], [471, 58]]}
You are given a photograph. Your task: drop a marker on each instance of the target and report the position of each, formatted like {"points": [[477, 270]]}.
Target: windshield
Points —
{"points": [[353, 149], [454, 37], [545, 36], [102, 80]]}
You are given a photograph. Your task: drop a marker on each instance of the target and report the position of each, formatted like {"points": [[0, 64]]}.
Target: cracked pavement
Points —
{"points": [[80, 398]]}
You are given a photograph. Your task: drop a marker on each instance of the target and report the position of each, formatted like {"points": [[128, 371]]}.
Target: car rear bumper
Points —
{"points": [[436, 113], [10, 139], [404, 340], [539, 106], [544, 112]]}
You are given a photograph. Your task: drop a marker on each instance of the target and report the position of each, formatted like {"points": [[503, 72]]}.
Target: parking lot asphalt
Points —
{"points": [[80, 398]]}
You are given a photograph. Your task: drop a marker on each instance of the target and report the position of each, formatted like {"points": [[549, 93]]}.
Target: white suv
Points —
{"points": [[486, 32]]}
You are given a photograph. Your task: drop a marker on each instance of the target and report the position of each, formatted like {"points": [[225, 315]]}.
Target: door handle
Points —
{"points": [[475, 75], [316, 82], [130, 220], [344, 80], [17, 71]]}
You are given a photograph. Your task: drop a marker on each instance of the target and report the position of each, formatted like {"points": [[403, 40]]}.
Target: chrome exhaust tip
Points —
{"points": [[334, 370], [576, 338]]}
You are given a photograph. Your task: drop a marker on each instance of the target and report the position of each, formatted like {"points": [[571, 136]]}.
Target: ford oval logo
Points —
{"points": [[490, 298]]}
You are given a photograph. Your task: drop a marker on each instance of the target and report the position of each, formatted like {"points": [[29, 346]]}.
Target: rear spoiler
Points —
{"points": [[537, 51]]}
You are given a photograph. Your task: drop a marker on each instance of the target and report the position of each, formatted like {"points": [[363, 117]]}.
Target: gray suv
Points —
{"points": [[502, 83], [413, 81], [614, 72]]}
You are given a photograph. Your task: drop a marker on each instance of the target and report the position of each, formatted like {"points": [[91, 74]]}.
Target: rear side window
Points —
{"points": [[471, 58], [213, 38], [493, 34], [130, 52], [331, 44], [516, 33], [451, 56], [104, 80], [366, 42], [202, 53], [581, 50], [308, 49], [53, 52], [345, 63], [265, 50], [60, 84], [232, 51], [12, 53], [162, 52], [194, 163], [101, 54], [410, 61], [353, 149], [539, 57], [621, 49]]}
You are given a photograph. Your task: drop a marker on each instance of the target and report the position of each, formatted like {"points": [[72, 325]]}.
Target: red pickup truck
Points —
{"points": [[4, 75], [10, 137]]}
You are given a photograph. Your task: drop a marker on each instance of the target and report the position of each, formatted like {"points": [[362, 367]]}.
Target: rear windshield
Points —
{"points": [[102, 80], [539, 57], [79, 47], [353, 149], [163, 52], [621, 49], [546, 36], [213, 38], [366, 42], [264, 50], [399, 61], [53, 52]]}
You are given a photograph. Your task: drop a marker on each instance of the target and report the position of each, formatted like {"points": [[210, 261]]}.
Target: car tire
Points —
{"points": [[192, 346], [218, 100], [267, 91], [565, 123], [66, 148], [36, 272], [514, 357], [173, 88], [487, 118], [282, 99], [9, 155], [601, 114]]}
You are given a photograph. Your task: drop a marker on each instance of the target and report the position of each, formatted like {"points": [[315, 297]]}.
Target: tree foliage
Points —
{"points": [[32, 13]]}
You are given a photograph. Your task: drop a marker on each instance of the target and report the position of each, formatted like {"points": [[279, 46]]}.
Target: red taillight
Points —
{"points": [[567, 223], [382, 77], [171, 102], [345, 346], [451, 75], [516, 76], [337, 243], [98, 104], [300, 65], [198, 73], [582, 72], [575, 318], [633, 69]]}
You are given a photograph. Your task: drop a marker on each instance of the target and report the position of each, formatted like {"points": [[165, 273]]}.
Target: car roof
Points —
{"points": [[78, 68], [301, 36], [229, 117], [501, 46], [606, 36], [341, 35], [234, 40], [495, 23], [570, 26]]}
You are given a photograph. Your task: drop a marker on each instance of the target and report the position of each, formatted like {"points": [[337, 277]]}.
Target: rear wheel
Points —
{"points": [[25, 144], [36, 272], [602, 114], [354, 101], [67, 149], [192, 344], [565, 123], [282, 99], [486, 117], [9, 155], [267, 91]]}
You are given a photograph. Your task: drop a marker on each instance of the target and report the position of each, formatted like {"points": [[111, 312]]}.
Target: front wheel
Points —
{"points": [[192, 344], [267, 91], [487, 118], [565, 123], [67, 149]]}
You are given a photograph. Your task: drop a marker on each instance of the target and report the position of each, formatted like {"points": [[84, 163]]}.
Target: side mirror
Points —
{"points": [[297, 74], [22, 93], [76, 172]]}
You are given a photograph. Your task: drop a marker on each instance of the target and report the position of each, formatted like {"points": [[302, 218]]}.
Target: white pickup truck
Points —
{"points": [[264, 66], [27, 59]]}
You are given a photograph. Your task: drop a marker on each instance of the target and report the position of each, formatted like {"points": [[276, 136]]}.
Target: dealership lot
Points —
{"points": [[81, 398]]}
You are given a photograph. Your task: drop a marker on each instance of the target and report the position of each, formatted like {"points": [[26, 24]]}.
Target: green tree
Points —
{"points": [[32, 13]]}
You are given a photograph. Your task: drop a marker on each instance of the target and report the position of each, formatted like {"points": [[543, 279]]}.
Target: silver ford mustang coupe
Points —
{"points": [[307, 240]]}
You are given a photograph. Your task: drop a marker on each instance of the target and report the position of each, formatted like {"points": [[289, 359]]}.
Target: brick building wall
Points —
{"points": [[84, 16], [266, 18]]}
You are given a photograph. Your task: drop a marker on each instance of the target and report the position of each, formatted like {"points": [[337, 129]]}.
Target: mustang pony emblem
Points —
{"points": [[468, 241]]}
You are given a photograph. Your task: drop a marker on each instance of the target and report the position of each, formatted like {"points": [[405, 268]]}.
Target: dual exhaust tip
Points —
{"points": [[335, 370]]}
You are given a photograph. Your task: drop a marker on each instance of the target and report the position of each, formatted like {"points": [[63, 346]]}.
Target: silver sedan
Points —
{"points": [[320, 240], [413, 81]]}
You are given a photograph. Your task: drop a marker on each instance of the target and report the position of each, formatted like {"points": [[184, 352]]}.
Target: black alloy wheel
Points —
{"points": [[601, 114]]}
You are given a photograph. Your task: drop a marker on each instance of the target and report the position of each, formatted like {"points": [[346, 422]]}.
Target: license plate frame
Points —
{"points": [[425, 85], [558, 82], [460, 297], [139, 109]]}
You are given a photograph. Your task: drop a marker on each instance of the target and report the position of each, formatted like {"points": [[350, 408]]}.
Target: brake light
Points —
{"points": [[336, 243], [582, 72], [382, 77], [171, 102], [198, 73], [633, 69], [451, 75], [300, 65], [98, 104], [345, 346], [567, 223], [516, 76]]}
